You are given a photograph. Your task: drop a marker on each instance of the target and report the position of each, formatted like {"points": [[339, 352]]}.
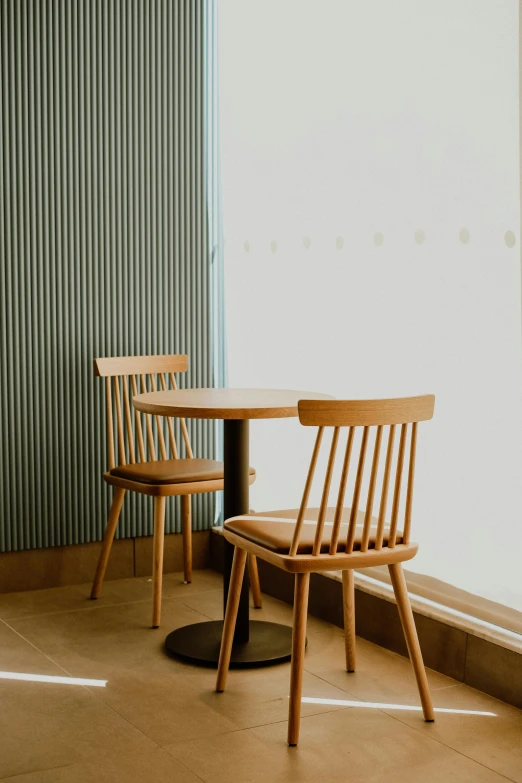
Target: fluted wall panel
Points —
{"points": [[105, 243]]}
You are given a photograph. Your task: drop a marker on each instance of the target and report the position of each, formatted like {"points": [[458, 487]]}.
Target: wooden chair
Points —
{"points": [[339, 539], [129, 468]]}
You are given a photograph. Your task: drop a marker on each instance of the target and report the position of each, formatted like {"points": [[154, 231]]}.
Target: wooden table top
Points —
{"points": [[225, 403]]}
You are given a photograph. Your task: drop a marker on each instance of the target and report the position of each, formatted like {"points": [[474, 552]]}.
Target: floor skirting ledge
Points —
{"points": [[38, 569]]}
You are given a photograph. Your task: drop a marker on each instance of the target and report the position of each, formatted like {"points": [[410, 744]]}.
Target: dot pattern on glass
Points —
{"points": [[378, 239]]}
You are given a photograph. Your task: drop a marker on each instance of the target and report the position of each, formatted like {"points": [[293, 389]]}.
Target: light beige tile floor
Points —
{"points": [[159, 719]]}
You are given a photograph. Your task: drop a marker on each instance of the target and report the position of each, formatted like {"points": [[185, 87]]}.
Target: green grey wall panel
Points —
{"points": [[104, 243]]}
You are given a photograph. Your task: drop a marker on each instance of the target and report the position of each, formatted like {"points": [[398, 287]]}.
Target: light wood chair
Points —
{"points": [[337, 538], [131, 468]]}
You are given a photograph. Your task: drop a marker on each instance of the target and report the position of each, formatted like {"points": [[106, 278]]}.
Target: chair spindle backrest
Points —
{"points": [[125, 377], [378, 420]]}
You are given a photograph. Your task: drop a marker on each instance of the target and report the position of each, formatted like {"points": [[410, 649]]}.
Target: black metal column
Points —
{"points": [[236, 502]]}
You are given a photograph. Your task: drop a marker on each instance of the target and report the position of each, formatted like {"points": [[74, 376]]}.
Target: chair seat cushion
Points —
{"points": [[273, 530], [172, 471]]}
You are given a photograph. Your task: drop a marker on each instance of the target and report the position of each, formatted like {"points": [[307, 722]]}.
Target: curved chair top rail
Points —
{"points": [[382, 415], [138, 365], [366, 413]]}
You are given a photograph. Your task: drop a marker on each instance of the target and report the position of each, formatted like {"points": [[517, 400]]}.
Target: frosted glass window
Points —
{"points": [[370, 163]]}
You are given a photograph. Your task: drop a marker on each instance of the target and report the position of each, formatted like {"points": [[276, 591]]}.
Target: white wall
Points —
{"points": [[351, 126]]}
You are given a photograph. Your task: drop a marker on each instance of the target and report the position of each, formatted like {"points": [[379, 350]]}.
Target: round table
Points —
{"points": [[256, 643]]}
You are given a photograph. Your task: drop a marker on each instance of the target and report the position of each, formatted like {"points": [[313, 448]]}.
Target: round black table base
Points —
{"points": [[269, 643]]}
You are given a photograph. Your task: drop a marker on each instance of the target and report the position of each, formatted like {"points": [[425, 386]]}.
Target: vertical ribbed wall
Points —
{"points": [[104, 243]]}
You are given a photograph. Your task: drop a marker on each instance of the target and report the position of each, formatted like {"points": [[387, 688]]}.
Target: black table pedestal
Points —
{"points": [[269, 643], [255, 643]]}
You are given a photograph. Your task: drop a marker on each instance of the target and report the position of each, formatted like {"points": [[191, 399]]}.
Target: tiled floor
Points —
{"points": [[159, 720]]}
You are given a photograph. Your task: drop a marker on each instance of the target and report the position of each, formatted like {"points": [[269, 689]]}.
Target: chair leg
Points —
{"points": [[349, 618], [186, 527], [157, 558], [302, 584], [234, 593], [410, 632], [253, 575], [112, 522]]}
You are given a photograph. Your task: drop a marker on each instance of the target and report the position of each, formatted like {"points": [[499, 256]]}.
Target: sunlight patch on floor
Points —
{"points": [[52, 679], [383, 706]]}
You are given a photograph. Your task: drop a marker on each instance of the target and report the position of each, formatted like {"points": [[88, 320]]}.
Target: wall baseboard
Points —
{"points": [[482, 664], [38, 569]]}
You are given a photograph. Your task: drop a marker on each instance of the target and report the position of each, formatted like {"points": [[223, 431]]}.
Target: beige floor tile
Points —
{"points": [[365, 745], [202, 581], [72, 734], [254, 697], [495, 741], [165, 698], [166, 708], [144, 685], [48, 724], [108, 640], [154, 765], [17, 655], [381, 675], [76, 597], [338, 746], [180, 702], [209, 603], [71, 598], [243, 757]]}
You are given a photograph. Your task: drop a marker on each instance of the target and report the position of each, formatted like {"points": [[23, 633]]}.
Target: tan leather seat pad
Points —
{"points": [[266, 531], [172, 471]]}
